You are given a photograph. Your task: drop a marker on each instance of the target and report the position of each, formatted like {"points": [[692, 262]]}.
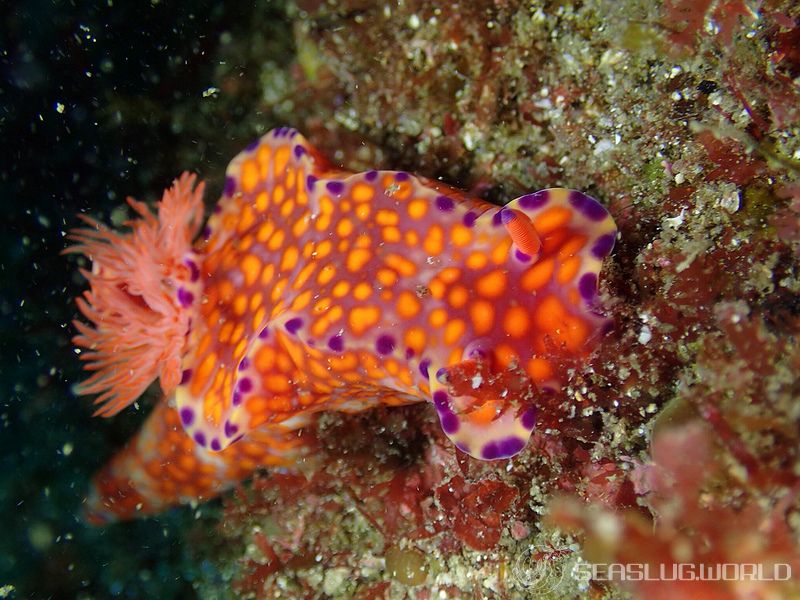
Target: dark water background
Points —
{"points": [[98, 100]]}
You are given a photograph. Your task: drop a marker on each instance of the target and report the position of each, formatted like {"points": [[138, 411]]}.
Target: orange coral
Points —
{"points": [[138, 325]]}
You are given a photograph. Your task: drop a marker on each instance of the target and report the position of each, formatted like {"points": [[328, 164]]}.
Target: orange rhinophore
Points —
{"points": [[313, 289]]}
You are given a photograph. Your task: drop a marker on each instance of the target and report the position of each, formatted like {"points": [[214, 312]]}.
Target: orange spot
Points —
{"points": [[550, 314], [551, 219], [246, 219], [225, 331], [251, 269], [434, 241], [450, 274], [574, 245], [300, 227], [477, 260], [402, 265], [412, 238], [485, 414], [326, 206], [278, 194], [326, 274], [202, 374], [290, 177], [323, 222], [265, 231], [258, 318], [255, 300], [417, 208], [362, 211], [391, 235], [262, 202], [263, 155], [482, 314], [362, 291], [516, 321], [344, 228], [453, 331], [363, 317], [277, 383], [458, 296], [361, 192], [302, 300], [240, 305], [357, 259], [568, 269], [539, 369], [281, 160], [324, 249], [341, 289], [276, 241], [538, 275], [277, 291], [438, 317], [289, 259], [249, 175], [408, 305], [387, 217], [492, 285], [304, 275], [386, 277], [500, 251], [415, 339], [437, 288], [267, 274], [461, 235], [504, 354]]}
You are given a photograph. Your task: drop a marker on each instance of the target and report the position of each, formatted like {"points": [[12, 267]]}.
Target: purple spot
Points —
{"points": [[292, 325], [230, 429], [230, 186], [441, 375], [244, 364], [217, 209], [336, 343], [200, 438], [470, 218], [587, 285], [264, 333], [590, 207], [335, 187], [237, 398], [237, 438], [244, 385], [521, 256], [299, 151], [497, 218], [185, 297], [409, 353], [423, 368], [490, 451], [445, 203], [477, 353], [401, 176], [535, 200], [185, 376], [385, 344], [187, 416], [252, 145], [194, 272], [528, 419], [602, 247], [279, 131], [449, 423], [310, 181], [206, 233], [510, 446], [440, 401], [292, 133], [215, 445], [371, 175], [507, 215]]}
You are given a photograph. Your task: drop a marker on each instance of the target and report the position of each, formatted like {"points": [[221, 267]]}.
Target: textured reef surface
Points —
{"points": [[678, 441]]}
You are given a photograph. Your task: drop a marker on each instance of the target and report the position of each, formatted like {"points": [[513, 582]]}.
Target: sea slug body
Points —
{"points": [[315, 289]]}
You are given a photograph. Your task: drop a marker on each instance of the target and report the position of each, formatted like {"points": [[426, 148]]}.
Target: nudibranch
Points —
{"points": [[315, 289]]}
